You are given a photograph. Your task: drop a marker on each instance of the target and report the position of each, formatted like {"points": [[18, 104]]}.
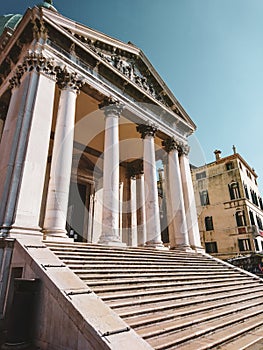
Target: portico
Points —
{"points": [[102, 108]]}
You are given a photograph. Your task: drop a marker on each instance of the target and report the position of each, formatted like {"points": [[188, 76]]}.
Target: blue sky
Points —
{"points": [[209, 53]]}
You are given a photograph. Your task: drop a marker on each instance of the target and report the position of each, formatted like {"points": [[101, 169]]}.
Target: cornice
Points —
{"points": [[83, 30]]}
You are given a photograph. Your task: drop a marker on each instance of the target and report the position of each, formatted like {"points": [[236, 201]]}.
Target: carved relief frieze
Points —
{"points": [[126, 66]]}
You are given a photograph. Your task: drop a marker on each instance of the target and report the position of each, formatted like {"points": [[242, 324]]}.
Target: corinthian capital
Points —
{"points": [[146, 130], [68, 80], [184, 149], [111, 107], [170, 144], [33, 61]]}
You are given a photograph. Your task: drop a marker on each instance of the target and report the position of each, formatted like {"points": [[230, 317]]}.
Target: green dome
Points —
{"points": [[48, 4], [9, 21]]}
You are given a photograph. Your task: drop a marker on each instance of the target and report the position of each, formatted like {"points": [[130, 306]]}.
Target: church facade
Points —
{"points": [[94, 253], [85, 119]]}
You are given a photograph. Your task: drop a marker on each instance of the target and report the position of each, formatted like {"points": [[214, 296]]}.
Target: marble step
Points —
{"points": [[253, 340], [107, 268], [173, 299], [159, 327], [172, 291], [102, 289], [220, 328], [179, 305], [121, 261], [178, 297], [192, 312], [217, 339], [163, 261], [125, 251], [118, 275], [147, 282]]}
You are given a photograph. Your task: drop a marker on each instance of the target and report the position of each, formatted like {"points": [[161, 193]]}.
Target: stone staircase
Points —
{"points": [[173, 299]]}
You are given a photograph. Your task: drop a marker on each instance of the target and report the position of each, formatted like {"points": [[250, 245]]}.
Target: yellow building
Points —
{"points": [[229, 205]]}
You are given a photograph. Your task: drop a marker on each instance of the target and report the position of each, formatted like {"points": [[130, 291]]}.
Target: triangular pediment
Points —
{"points": [[126, 58]]}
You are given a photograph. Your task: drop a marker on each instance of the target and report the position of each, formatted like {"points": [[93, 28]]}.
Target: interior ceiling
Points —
{"points": [[89, 131]]}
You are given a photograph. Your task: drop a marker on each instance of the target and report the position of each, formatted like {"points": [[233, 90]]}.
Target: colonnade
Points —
{"points": [[145, 221]]}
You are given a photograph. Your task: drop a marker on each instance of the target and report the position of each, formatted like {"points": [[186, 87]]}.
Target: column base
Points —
{"points": [[198, 249], [113, 244], [111, 241], [154, 244], [182, 247], [56, 235], [58, 239]]}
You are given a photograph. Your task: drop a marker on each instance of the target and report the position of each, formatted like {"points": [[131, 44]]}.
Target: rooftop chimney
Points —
{"points": [[217, 154]]}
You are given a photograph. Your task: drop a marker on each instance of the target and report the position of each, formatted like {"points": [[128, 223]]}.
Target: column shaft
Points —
{"points": [[110, 215], [120, 209], [60, 173], [151, 192], [177, 201], [168, 194], [133, 211], [141, 213], [26, 139], [190, 206], [9, 143]]}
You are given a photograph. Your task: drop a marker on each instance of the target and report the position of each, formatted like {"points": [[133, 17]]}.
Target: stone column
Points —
{"points": [[120, 209], [26, 142], [167, 192], [9, 142], [133, 212], [189, 199], [60, 173], [110, 216], [151, 193], [177, 209], [141, 213]]}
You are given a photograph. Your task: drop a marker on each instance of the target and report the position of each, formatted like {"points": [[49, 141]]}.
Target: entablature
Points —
{"points": [[102, 76]]}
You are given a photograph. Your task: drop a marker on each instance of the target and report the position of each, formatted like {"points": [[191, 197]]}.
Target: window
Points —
{"points": [[244, 245], [201, 175], [204, 199], [209, 223], [256, 244], [252, 219], [211, 247], [229, 165], [259, 222], [246, 191], [240, 166], [240, 218], [260, 203], [234, 190], [254, 197]]}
